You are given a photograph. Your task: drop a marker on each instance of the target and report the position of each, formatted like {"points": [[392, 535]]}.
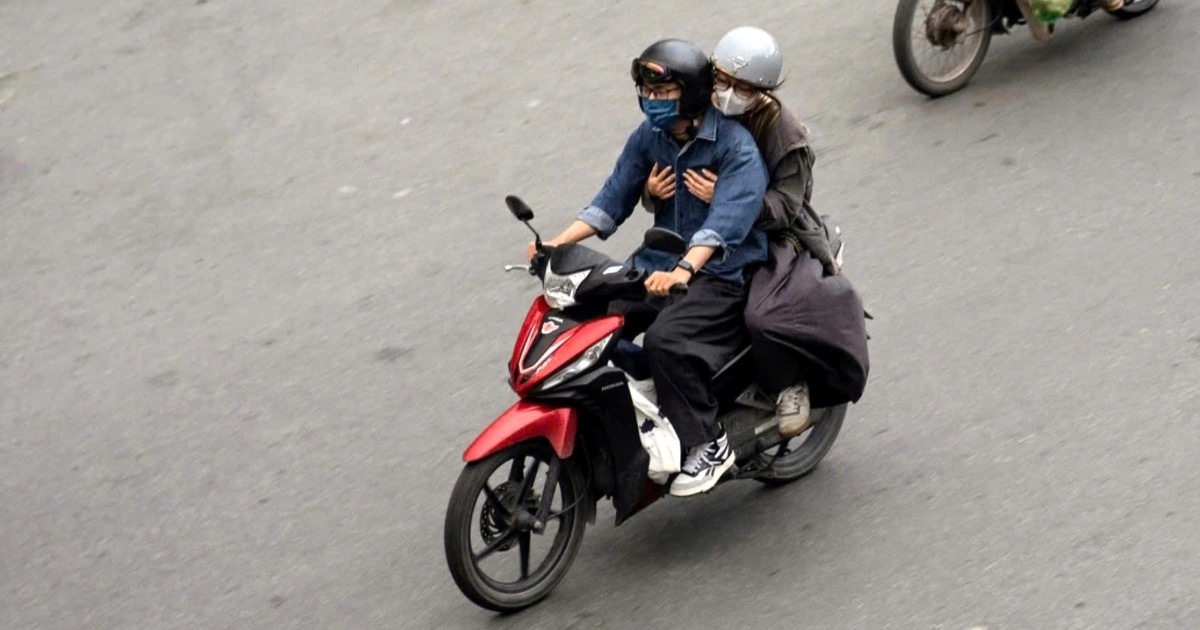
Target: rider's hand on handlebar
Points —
{"points": [[660, 282], [531, 249]]}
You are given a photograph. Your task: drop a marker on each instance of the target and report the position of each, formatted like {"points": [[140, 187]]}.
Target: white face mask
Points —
{"points": [[731, 103]]}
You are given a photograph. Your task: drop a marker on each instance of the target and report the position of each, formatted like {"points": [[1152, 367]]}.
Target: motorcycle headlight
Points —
{"points": [[560, 290], [585, 361]]}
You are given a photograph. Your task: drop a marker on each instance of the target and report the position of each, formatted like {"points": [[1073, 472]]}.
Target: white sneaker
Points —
{"points": [[793, 411], [703, 467]]}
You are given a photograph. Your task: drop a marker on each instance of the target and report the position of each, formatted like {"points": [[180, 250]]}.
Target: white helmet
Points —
{"points": [[750, 55]]}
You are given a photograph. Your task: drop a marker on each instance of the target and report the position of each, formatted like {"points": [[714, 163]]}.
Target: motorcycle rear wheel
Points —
{"points": [[1134, 8], [493, 512], [800, 455], [941, 67]]}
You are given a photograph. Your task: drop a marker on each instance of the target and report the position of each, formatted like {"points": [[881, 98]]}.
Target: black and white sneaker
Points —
{"points": [[703, 467]]}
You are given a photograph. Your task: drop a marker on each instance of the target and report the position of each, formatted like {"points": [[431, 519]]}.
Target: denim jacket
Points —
{"points": [[722, 146]]}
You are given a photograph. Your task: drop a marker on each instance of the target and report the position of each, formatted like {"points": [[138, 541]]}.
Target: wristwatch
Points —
{"points": [[686, 266]]}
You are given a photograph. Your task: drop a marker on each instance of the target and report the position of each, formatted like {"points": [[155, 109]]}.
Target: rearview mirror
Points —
{"points": [[664, 240], [519, 208]]}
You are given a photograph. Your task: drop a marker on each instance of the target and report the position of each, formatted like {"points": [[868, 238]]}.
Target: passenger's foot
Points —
{"points": [[792, 411], [1110, 5], [703, 467]]}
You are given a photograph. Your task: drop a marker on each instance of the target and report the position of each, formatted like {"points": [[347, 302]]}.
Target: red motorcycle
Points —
{"points": [[939, 44], [585, 427]]}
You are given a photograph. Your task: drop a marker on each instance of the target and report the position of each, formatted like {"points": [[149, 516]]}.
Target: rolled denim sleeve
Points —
{"points": [[737, 199], [623, 188], [599, 219], [708, 238]]}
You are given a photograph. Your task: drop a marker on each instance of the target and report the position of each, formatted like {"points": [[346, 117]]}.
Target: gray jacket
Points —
{"points": [[787, 212]]}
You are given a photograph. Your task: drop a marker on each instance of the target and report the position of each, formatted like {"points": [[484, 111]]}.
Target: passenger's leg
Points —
{"points": [[775, 363], [781, 375]]}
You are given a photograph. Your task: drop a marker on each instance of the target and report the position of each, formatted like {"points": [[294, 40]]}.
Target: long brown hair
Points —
{"points": [[761, 118]]}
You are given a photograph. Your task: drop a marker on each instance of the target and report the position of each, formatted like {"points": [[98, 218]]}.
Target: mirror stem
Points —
{"points": [[537, 238]]}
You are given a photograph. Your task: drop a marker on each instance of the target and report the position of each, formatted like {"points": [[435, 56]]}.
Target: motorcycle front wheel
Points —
{"points": [[940, 44], [514, 525], [1134, 8], [800, 455]]}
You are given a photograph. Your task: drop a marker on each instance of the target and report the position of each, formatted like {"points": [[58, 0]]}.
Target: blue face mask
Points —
{"points": [[662, 114]]}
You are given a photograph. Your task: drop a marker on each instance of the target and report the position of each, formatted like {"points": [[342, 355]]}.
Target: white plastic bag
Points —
{"points": [[658, 438]]}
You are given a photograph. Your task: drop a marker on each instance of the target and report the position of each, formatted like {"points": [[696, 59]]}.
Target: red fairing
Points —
{"points": [[529, 332], [569, 345], [524, 421]]}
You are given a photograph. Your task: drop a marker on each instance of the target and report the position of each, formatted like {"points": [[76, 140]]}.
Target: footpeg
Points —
{"points": [[754, 398]]}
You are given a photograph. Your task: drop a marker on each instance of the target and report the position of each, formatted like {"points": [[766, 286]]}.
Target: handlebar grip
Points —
{"points": [[538, 263], [679, 290]]}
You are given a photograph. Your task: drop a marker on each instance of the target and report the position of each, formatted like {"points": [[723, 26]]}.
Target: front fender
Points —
{"points": [[523, 421]]}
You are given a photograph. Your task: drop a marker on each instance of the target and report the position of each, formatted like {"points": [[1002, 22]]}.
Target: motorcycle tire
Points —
{"points": [[909, 32], [1134, 8], [503, 523], [797, 460]]}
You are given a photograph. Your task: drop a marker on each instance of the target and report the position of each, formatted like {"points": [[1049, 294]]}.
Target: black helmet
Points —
{"points": [[682, 62]]}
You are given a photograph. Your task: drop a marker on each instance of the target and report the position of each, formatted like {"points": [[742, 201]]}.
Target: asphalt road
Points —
{"points": [[252, 310]]}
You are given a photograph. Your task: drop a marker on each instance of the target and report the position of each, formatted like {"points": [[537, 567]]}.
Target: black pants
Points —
{"points": [[687, 340]]}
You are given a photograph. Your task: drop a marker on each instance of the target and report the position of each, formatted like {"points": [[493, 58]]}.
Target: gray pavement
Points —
{"points": [[251, 312]]}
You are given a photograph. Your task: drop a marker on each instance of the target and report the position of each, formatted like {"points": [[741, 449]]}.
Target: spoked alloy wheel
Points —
{"points": [[1134, 8], [514, 524], [939, 44], [800, 455]]}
